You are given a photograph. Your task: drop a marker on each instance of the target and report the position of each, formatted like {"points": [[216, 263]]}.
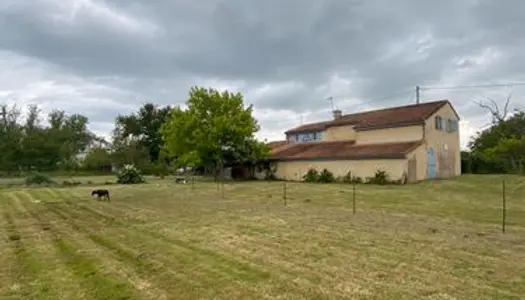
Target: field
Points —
{"points": [[434, 240]]}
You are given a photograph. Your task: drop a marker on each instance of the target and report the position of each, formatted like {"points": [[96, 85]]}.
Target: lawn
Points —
{"points": [[434, 240]]}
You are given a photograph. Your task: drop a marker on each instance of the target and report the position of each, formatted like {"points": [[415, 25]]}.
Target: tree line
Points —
{"points": [[215, 129], [500, 148]]}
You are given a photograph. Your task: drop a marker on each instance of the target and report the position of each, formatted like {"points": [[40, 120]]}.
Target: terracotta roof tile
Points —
{"points": [[275, 144], [342, 149], [383, 118]]}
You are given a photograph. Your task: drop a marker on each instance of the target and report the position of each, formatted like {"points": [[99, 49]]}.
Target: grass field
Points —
{"points": [[435, 240]]}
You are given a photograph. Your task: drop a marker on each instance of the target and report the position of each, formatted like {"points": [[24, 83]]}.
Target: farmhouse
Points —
{"points": [[411, 143]]}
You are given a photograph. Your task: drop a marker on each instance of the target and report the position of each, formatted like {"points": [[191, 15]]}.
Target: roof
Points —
{"points": [[408, 115], [343, 150], [275, 144]]}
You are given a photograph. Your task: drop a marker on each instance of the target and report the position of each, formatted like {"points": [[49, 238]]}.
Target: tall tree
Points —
{"points": [[144, 127], [38, 150], [216, 128], [30, 145], [11, 136], [70, 136], [98, 159], [502, 145]]}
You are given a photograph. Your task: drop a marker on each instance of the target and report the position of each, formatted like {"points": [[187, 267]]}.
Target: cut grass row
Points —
{"points": [[155, 242]]}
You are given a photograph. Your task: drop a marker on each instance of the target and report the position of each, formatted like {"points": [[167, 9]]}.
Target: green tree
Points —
{"points": [[98, 159], [11, 136], [501, 147], [38, 151], [29, 145], [144, 127], [128, 150], [215, 129], [69, 136]]}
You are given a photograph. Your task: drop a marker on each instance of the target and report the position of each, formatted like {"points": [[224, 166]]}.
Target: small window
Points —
{"points": [[320, 135], [439, 123], [296, 137], [450, 125]]}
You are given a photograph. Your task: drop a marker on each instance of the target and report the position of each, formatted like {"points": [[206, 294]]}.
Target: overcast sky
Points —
{"points": [[101, 58]]}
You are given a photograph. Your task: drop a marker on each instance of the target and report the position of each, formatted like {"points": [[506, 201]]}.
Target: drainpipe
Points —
{"points": [[424, 132]]}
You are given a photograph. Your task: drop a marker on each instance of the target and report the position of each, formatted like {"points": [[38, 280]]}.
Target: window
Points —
{"points": [[452, 125], [439, 123], [320, 136]]}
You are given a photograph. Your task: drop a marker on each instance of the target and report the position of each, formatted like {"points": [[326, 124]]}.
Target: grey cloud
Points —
{"points": [[156, 51]]}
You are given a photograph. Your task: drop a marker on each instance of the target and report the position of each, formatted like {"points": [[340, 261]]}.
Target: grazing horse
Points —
{"points": [[101, 193]]}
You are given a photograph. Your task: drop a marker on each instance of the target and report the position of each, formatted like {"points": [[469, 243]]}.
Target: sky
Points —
{"points": [[104, 58]]}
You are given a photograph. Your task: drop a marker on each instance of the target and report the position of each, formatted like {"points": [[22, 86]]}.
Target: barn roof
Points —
{"points": [[342, 150], [383, 118]]}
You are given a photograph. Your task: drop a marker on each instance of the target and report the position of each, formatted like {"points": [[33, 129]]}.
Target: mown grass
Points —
{"points": [[433, 240]]}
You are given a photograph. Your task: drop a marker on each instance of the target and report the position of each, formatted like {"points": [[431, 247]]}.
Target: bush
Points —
{"points": [[38, 179], [129, 174], [311, 176], [380, 177], [348, 178], [270, 172], [356, 179], [71, 183], [325, 177]]}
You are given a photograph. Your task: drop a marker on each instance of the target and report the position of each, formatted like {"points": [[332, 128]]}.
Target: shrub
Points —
{"points": [[38, 179], [71, 183], [325, 177], [270, 172], [311, 176], [348, 178], [380, 177], [356, 179], [129, 174]]}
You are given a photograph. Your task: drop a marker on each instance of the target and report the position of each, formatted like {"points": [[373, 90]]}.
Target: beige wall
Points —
{"points": [[294, 170], [440, 140], [390, 135], [420, 156], [340, 133]]}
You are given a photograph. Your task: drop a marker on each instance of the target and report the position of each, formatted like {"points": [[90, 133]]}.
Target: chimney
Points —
{"points": [[337, 114]]}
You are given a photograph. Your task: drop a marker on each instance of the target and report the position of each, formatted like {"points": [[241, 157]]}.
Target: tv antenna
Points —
{"points": [[331, 99]]}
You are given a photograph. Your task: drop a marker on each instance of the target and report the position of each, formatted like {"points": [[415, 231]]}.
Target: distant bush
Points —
{"points": [[314, 176], [38, 179], [380, 177], [271, 173], [129, 174], [71, 183], [311, 176], [325, 177], [348, 178], [356, 179]]}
